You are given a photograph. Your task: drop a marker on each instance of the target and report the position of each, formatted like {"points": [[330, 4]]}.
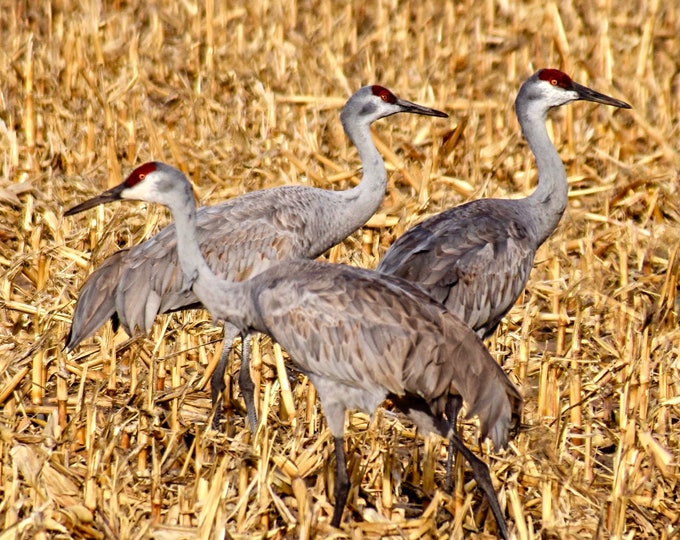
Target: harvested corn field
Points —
{"points": [[113, 440]]}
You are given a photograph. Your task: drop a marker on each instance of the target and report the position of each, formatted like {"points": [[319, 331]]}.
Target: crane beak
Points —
{"points": [[410, 107], [113, 194], [591, 95]]}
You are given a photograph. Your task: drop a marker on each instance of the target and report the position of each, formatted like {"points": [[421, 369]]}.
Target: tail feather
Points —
{"points": [[497, 405], [96, 300], [485, 387], [458, 364]]}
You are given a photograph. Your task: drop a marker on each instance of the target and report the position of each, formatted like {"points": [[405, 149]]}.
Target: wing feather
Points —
{"points": [[96, 299], [239, 238], [474, 258], [382, 335]]}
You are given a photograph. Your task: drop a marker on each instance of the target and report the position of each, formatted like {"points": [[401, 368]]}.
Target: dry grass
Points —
{"points": [[112, 441]]}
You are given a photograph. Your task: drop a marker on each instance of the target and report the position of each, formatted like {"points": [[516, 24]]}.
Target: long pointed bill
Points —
{"points": [[113, 194], [591, 95], [410, 107]]}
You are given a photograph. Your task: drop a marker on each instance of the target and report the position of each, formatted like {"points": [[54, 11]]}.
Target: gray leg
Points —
{"points": [[335, 418], [342, 484], [481, 474], [419, 411], [217, 380], [245, 382], [453, 406], [479, 468]]}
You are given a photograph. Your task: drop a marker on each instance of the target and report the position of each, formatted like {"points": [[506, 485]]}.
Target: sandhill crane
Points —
{"points": [[475, 258], [360, 337], [240, 238]]}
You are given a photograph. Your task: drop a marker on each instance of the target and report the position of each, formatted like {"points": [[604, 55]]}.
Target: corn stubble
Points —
{"points": [[111, 441]]}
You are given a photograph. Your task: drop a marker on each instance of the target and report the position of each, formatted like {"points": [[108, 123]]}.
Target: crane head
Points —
{"points": [[370, 103], [151, 182], [552, 88]]}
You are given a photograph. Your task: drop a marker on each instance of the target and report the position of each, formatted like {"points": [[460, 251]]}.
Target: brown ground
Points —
{"points": [[110, 442]]}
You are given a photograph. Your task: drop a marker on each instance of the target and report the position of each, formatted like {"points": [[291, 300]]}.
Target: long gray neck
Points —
{"points": [[356, 205], [549, 200], [221, 298]]}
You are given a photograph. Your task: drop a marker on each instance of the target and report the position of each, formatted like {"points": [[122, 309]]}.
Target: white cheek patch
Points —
{"points": [[142, 191]]}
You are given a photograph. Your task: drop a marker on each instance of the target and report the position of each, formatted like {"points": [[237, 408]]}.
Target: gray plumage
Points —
{"points": [[359, 336], [240, 238], [476, 257]]}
